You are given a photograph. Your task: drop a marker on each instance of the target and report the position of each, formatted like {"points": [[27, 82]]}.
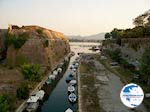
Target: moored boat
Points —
{"points": [[73, 82], [69, 110], [71, 88], [72, 98]]}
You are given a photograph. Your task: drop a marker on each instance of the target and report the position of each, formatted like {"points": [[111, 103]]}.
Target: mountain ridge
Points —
{"points": [[99, 36]]}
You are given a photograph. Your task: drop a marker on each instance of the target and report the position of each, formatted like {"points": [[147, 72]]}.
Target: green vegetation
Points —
{"points": [[31, 72], [45, 43], [7, 103], [20, 60], [107, 36], [17, 42], [23, 91], [40, 31], [87, 79], [141, 29], [145, 66]]}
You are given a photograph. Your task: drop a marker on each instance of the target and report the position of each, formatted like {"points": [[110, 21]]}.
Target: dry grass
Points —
{"points": [[89, 98]]}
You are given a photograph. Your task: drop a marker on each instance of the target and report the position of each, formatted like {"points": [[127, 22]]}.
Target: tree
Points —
{"points": [[23, 91], [143, 19], [145, 66], [107, 35]]}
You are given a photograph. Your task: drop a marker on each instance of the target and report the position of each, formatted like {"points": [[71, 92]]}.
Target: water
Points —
{"points": [[58, 99]]}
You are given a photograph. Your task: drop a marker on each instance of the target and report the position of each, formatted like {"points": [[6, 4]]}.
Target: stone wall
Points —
{"points": [[35, 51]]}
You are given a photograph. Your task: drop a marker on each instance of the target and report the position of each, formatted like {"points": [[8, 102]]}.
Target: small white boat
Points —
{"points": [[59, 70], [69, 110], [71, 66], [40, 94], [72, 98], [71, 88], [55, 72], [73, 82], [52, 77]]}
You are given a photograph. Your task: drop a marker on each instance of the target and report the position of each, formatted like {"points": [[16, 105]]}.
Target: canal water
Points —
{"points": [[58, 99]]}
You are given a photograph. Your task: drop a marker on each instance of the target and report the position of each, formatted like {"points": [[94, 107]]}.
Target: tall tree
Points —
{"points": [[107, 35], [143, 19]]}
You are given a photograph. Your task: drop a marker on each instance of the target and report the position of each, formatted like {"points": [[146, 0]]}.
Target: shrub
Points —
{"points": [[145, 66], [23, 91], [17, 42], [7, 103], [40, 31], [31, 72], [116, 55], [45, 43]]}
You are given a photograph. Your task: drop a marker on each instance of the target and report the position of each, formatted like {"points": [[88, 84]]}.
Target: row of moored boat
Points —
{"points": [[72, 82]]}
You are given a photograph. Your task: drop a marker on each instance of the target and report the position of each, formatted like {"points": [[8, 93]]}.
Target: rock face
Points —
{"points": [[43, 46]]}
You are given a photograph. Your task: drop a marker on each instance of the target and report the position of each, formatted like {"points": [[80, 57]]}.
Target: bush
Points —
{"points": [[23, 91], [116, 55], [40, 31], [31, 72], [145, 66], [7, 103], [45, 43], [17, 42]]}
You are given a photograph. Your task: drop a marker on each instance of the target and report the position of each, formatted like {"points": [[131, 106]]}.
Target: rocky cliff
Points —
{"points": [[42, 46]]}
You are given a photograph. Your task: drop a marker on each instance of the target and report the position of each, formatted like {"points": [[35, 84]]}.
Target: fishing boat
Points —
{"points": [[71, 88], [69, 110], [72, 98]]}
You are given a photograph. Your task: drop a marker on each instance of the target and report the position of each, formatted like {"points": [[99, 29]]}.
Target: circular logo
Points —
{"points": [[131, 95]]}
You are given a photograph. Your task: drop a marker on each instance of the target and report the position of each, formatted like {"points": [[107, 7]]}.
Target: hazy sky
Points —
{"points": [[75, 17]]}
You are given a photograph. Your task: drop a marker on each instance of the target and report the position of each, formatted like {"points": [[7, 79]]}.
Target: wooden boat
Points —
{"points": [[72, 98], [71, 88]]}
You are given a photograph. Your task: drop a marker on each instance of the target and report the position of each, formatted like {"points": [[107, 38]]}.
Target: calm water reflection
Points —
{"points": [[58, 100]]}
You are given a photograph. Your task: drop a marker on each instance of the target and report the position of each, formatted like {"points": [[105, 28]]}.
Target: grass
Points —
{"points": [[89, 98]]}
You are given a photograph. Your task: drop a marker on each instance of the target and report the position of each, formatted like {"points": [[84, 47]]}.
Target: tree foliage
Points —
{"points": [[17, 42], [23, 91], [107, 35], [143, 19], [7, 103], [145, 66], [31, 72]]}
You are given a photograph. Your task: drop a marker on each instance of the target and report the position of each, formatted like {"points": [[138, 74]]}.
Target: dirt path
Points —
{"points": [[109, 91], [99, 89]]}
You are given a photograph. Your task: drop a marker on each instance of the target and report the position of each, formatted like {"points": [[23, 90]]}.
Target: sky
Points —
{"points": [[72, 17]]}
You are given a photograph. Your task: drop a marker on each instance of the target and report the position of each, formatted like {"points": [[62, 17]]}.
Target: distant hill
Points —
{"points": [[99, 36]]}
